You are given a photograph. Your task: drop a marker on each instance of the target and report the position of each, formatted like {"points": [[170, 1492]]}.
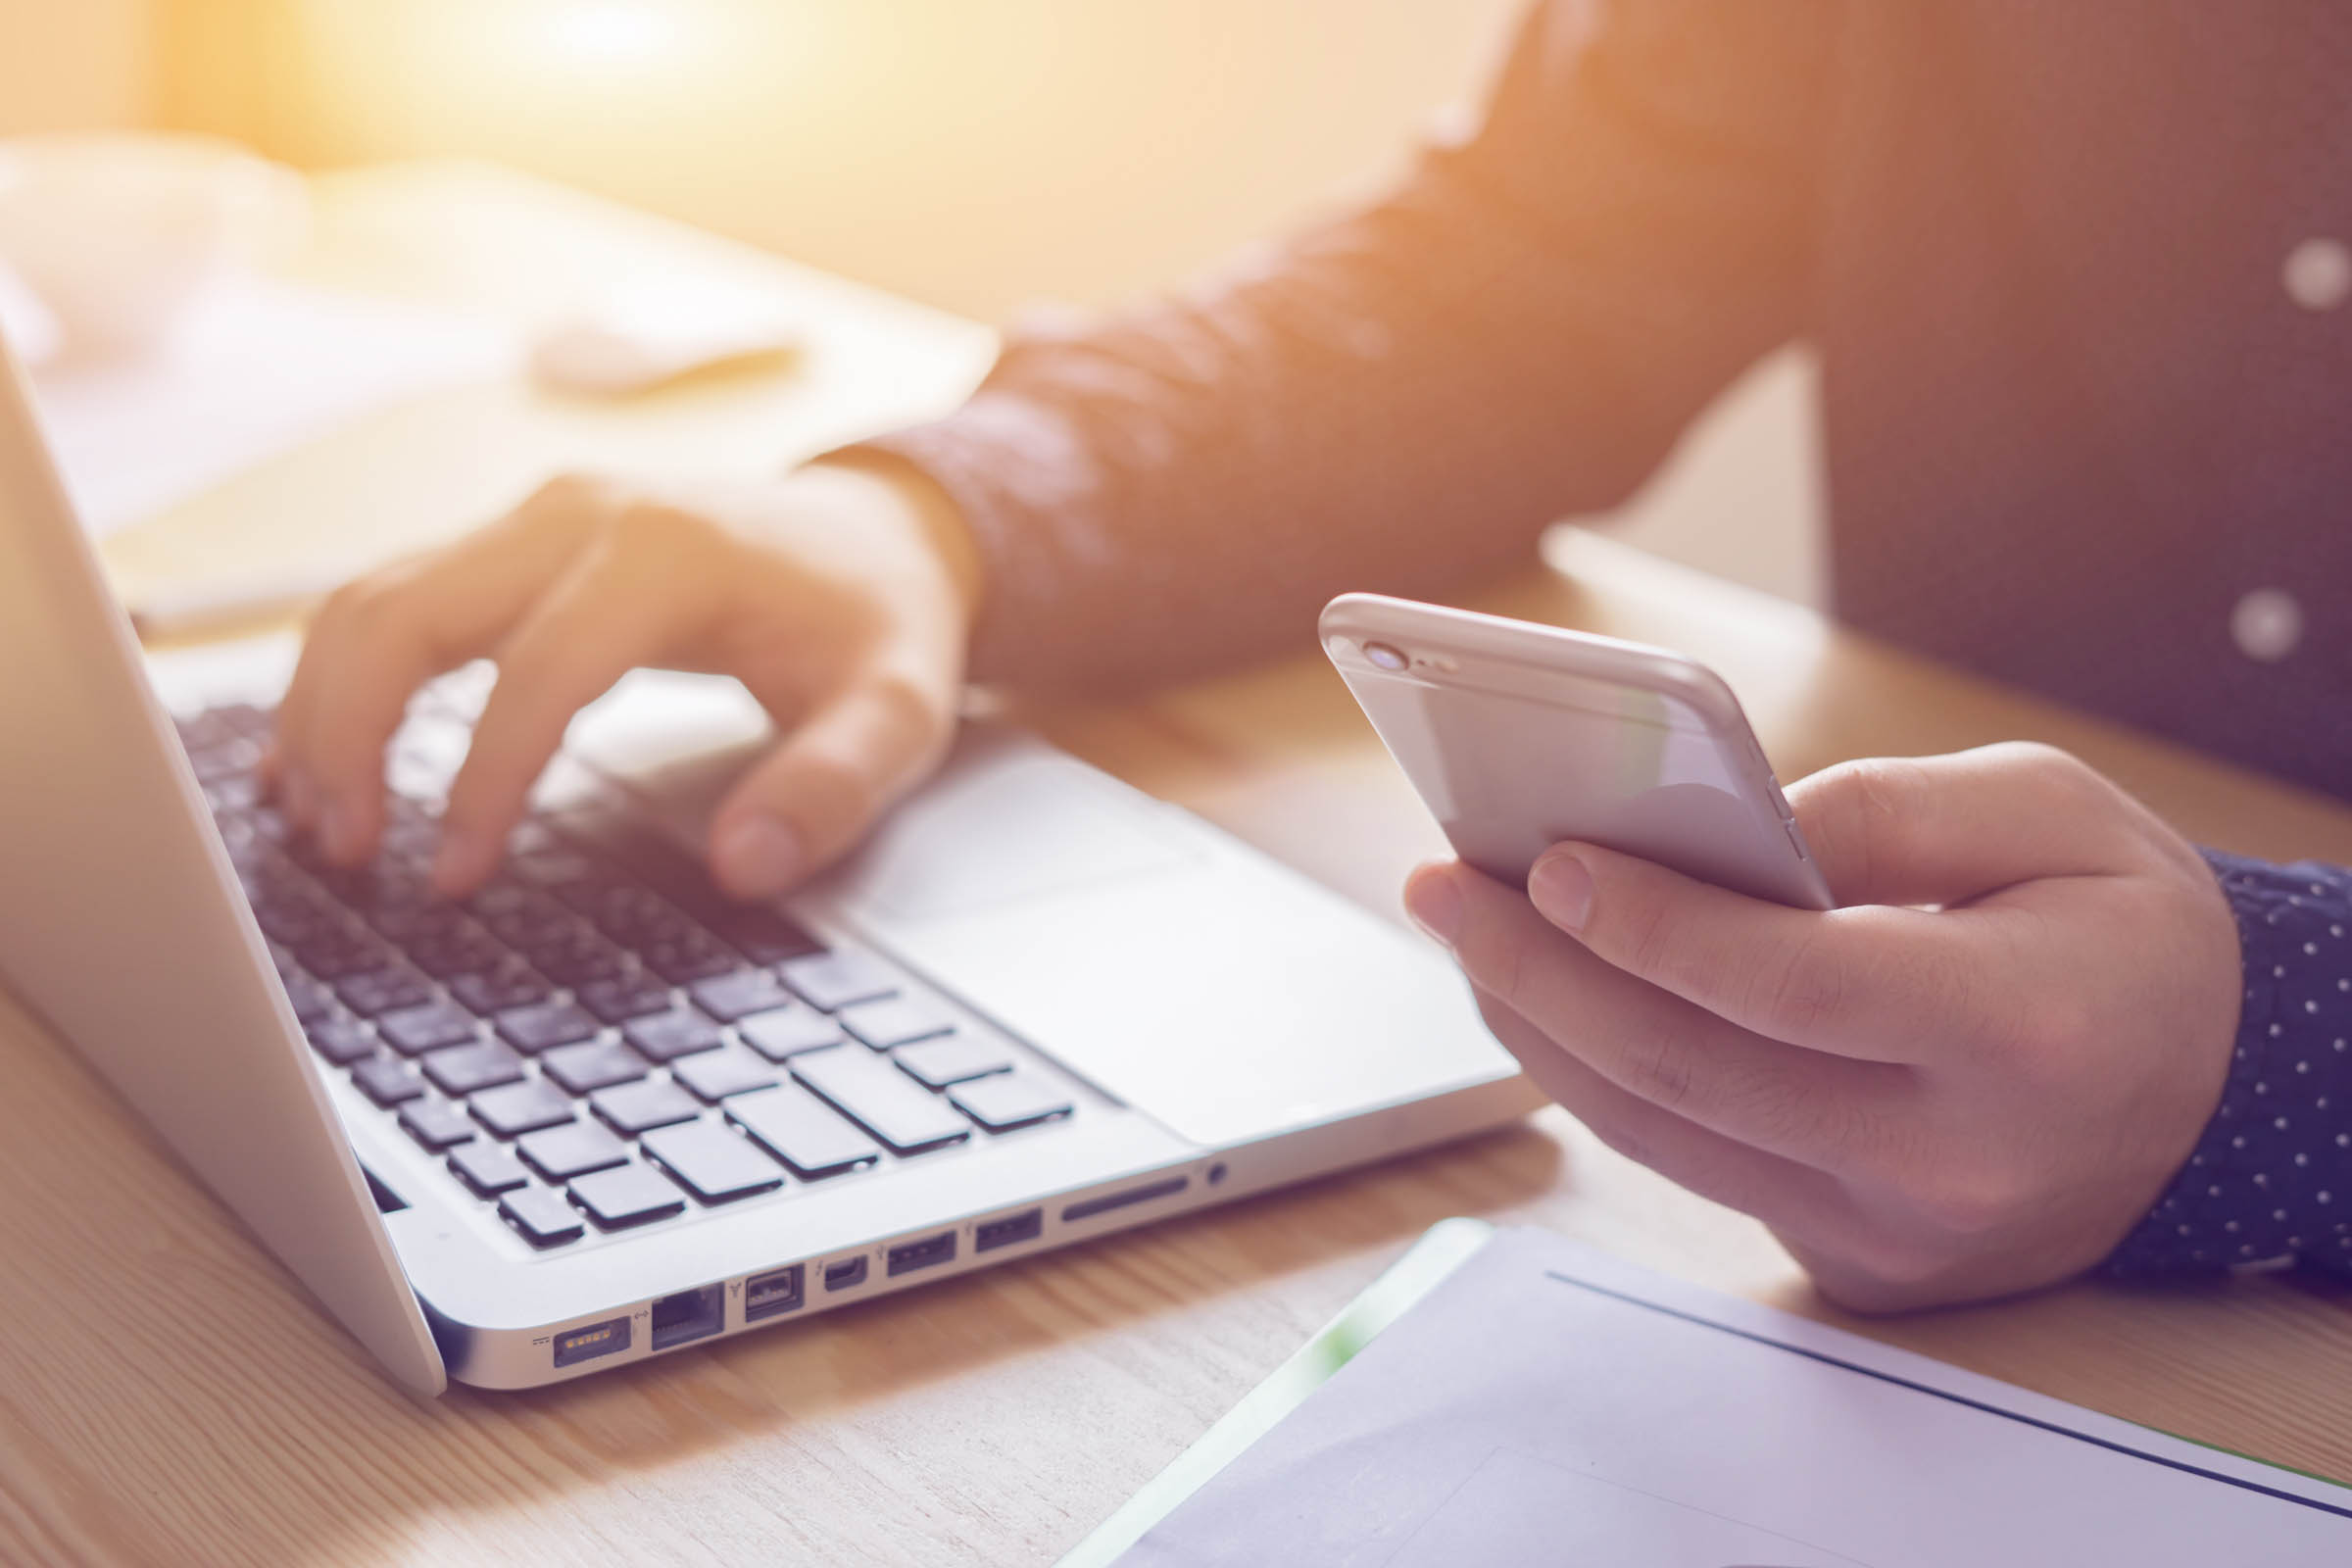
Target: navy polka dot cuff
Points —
{"points": [[2271, 1178]]}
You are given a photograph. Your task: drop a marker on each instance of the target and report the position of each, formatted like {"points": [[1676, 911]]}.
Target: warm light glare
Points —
{"points": [[613, 31]]}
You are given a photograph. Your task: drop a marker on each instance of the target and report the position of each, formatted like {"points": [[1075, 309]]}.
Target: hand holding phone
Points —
{"points": [[1974, 1078]]}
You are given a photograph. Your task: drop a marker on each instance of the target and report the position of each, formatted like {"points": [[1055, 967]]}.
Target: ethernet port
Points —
{"points": [[688, 1315]]}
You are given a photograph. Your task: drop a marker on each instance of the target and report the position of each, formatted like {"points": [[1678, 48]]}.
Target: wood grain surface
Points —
{"points": [[169, 1395]]}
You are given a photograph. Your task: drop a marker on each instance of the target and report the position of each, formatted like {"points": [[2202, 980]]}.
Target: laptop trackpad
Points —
{"points": [[1222, 996], [1006, 821]]}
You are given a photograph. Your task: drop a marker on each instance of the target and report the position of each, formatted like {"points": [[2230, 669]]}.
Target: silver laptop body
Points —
{"points": [[1215, 1024]]}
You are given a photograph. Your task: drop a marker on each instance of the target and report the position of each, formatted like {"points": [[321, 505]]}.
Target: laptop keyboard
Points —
{"points": [[597, 1040]]}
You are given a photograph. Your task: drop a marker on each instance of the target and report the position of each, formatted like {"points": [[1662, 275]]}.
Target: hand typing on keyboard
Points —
{"points": [[595, 1038], [840, 595]]}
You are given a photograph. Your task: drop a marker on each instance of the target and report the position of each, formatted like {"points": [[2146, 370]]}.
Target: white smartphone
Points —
{"points": [[1519, 736]]}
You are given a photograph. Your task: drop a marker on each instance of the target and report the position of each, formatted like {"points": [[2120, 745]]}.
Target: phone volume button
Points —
{"points": [[1796, 843]]}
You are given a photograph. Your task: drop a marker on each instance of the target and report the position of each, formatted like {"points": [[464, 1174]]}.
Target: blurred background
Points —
{"points": [[975, 157]]}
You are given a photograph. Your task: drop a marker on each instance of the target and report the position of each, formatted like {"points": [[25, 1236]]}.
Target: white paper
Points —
{"points": [[1549, 1405], [260, 366]]}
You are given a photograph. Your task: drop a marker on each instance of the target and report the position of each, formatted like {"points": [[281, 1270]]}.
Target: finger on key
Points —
{"points": [[380, 638], [593, 627]]}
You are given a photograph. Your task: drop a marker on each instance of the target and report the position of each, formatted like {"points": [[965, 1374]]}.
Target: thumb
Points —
{"points": [[1950, 828], [812, 799]]}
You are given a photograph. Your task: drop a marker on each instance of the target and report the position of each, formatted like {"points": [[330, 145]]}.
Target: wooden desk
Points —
{"points": [[167, 1394]]}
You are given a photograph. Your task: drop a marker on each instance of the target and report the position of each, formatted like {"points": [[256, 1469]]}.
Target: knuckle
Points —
{"points": [[907, 710], [1658, 1071], [364, 603], [2059, 776], [1865, 810], [648, 530], [567, 497], [1967, 1202], [1796, 993]]}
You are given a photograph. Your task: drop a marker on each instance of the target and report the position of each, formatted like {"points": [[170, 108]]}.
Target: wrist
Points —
{"points": [[2271, 1179]]}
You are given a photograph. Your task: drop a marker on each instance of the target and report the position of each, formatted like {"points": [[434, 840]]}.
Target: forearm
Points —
{"points": [[2271, 1177], [1401, 398]]}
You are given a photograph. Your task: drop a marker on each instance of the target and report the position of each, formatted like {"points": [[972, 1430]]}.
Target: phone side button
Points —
{"points": [[1796, 843]]}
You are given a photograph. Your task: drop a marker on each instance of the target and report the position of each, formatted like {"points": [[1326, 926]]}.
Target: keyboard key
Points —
{"points": [[802, 1131], [788, 1031], [562, 1152], [897, 1022], [311, 1000], [463, 1070], [204, 731], [435, 1124], [717, 1074], [509, 983], [829, 980], [714, 1163], [545, 1024], [542, 1215], [388, 1080], [461, 949], [384, 990], [936, 1063], [631, 1108], [292, 918], [691, 955], [592, 1065], [760, 934], [643, 849], [341, 1041], [631, 996], [627, 1195], [332, 952], [415, 1030], [514, 914], [575, 958], [667, 1036], [244, 718], [522, 1108], [879, 1097], [731, 996], [1009, 1099], [488, 1168], [629, 914]]}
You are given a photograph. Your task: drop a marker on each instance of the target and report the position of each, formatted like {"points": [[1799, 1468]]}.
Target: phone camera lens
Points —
{"points": [[1385, 657]]}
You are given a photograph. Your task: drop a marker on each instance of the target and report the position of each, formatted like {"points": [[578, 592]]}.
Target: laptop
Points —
{"points": [[598, 1112]]}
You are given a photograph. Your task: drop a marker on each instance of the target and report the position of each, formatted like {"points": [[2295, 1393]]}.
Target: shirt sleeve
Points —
{"points": [[1401, 398], [2271, 1179]]}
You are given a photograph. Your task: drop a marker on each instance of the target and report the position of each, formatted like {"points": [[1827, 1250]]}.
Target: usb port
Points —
{"points": [[845, 1272], [1026, 1226], [596, 1339], [766, 1294], [907, 1256], [688, 1315]]}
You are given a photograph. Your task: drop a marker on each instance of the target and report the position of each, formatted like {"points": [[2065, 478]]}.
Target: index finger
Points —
{"points": [[380, 638], [1864, 982]]}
